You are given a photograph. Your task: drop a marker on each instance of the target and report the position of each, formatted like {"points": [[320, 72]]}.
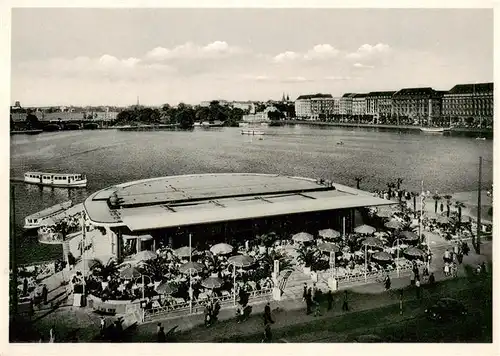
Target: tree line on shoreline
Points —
{"points": [[183, 116]]}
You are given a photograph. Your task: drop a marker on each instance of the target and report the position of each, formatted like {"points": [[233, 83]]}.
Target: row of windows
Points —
{"points": [[46, 177]]}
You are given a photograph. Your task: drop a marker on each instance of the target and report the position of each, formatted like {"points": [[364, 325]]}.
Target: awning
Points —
{"points": [[159, 218]]}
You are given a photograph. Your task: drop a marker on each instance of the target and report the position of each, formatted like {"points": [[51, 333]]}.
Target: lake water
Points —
{"points": [[444, 163]]}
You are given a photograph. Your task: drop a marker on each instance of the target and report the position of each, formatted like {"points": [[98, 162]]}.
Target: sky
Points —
{"points": [[112, 56]]}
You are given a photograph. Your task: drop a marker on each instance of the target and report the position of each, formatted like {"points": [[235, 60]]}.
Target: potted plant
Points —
{"points": [[154, 268], [307, 257], [105, 271]]}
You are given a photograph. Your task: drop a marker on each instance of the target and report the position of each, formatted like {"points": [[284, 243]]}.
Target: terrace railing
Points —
{"points": [[177, 309]]}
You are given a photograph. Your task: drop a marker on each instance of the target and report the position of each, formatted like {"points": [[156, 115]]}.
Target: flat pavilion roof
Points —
{"points": [[207, 198]]}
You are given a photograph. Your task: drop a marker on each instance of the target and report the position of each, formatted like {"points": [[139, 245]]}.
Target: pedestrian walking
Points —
{"points": [[432, 279], [345, 305], [304, 294], [387, 282], [417, 288], [52, 335], [446, 269], [45, 293], [25, 286], [308, 301], [268, 336], [161, 337], [412, 278], [267, 314], [401, 302], [465, 248], [329, 299], [102, 327], [314, 300]]}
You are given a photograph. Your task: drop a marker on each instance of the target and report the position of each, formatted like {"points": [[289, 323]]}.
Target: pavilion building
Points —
{"points": [[222, 207]]}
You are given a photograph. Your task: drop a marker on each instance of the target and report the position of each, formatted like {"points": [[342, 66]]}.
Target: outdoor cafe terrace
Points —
{"points": [[221, 272]]}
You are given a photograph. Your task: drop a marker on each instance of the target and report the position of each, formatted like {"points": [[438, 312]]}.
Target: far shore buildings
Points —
{"points": [[313, 106], [420, 104], [471, 103], [259, 117], [465, 101]]}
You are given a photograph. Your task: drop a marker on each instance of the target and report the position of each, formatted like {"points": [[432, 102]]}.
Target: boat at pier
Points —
{"points": [[40, 218], [61, 180], [434, 129]]}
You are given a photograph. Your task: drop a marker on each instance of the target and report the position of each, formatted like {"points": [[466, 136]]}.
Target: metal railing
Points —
{"points": [[199, 304]]}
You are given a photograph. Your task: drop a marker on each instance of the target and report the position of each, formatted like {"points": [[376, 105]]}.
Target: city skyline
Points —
{"points": [[181, 55]]}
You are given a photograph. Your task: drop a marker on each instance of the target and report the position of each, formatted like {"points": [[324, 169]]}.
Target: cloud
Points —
{"points": [[360, 65], [105, 66], [367, 51], [337, 78], [321, 51], [296, 79], [286, 56], [190, 50]]}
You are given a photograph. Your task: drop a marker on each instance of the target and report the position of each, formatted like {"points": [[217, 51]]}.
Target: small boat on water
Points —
{"points": [[61, 180], [252, 132], [42, 217], [434, 129], [481, 138]]}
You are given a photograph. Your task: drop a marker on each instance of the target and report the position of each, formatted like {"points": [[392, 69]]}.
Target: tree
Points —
{"points": [[459, 205], [358, 180], [202, 113], [155, 268], [398, 182], [436, 198], [448, 204], [184, 116], [32, 121], [105, 270], [275, 115], [307, 256]]}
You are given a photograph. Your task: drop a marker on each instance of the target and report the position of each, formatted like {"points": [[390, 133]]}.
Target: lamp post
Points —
{"points": [[190, 279], [366, 264], [397, 264], [83, 252]]}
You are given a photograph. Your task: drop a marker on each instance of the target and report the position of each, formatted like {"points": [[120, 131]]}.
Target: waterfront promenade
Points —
{"points": [[361, 296], [488, 131]]}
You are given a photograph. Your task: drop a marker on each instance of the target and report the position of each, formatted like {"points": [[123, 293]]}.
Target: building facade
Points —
{"points": [[314, 106], [469, 101], [419, 105], [379, 103], [346, 104], [245, 106], [359, 105]]}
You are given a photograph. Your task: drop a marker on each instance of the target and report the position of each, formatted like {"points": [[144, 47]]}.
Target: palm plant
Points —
{"points": [[154, 268], [358, 180], [414, 195], [105, 270], [399, 181], [436, 198], [307, 256], [391, 186], [267, 261], [459, 205], [448, 204], [268, 240]]}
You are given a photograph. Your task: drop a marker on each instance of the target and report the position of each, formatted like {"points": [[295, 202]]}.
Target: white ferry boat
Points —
{"points": [[252, 132], [434, 129], [40, 218], [62, 180]]}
